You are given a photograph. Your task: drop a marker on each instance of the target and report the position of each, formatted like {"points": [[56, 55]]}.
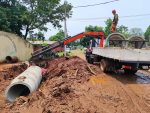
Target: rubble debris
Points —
{"points": [[58, 83]]}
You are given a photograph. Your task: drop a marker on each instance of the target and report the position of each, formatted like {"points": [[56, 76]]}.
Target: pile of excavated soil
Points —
{"points": [[74, 86], [57, 92]]}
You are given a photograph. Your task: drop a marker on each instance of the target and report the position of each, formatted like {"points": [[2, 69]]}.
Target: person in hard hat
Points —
{"points": [[114, 22]]}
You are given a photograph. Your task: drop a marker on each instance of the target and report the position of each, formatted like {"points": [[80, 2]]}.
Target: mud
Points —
{"points": [[74, 86]]}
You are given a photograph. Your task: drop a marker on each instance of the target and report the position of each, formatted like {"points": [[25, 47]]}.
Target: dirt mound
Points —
{"points": [[74, 86], [12, 71], [57, 89]]}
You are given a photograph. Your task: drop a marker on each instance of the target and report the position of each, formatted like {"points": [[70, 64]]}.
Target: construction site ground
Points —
{"points": [[74, 86]]}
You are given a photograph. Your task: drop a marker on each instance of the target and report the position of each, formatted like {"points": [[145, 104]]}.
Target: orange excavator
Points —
{"points": [[68, 40]]}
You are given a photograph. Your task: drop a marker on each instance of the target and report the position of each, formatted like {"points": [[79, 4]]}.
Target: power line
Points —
{"points": [[96, 4], [101, 18]]}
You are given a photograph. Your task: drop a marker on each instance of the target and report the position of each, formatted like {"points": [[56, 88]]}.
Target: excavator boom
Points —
{"points": [[68, 40]]}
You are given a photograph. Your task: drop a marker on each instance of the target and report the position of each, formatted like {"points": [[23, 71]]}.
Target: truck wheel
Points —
{"points": [[104, 65], [128, 71], [89, 60]]}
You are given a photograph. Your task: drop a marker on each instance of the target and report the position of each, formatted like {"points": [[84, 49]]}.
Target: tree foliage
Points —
{"points": [[86, 40], [94, 28], [12, 16], [32, 14], [36, 36], [58, 36], [123, 30], [108, 23], [147, 33], [40, 36]]}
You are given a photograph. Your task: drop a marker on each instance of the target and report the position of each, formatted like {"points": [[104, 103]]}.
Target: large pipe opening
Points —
{"points": [[137, 42], [115, 40], [8, 59], [16, 91], [11, 59]]}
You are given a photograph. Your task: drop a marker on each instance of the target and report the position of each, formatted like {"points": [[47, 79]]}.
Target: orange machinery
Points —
{"points": [[68, 40]]}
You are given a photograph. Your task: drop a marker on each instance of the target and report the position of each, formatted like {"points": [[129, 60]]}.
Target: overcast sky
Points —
{"points": [[76, 25]]}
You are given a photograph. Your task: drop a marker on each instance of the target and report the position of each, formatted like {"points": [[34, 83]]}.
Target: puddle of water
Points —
{"points": [[137, 78], [142, 79]]}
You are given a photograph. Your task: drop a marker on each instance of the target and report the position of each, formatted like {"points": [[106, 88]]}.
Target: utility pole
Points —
{"points": [[65, 26]]}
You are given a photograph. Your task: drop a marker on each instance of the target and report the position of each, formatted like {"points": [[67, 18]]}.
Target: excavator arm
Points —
{"points": [[79, 36], [68, 40]]}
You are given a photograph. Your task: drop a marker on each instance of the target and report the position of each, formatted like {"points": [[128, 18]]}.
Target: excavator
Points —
{"points": [[66, 41]]}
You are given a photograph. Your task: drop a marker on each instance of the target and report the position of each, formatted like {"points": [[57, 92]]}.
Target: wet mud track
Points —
{"points": [[132, 90]]}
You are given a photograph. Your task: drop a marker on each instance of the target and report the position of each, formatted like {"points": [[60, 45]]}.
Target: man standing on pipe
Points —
{"points": [[114, 22]]}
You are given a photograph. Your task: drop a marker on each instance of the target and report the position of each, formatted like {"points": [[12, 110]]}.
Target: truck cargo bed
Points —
{"points": [[124, 55]]}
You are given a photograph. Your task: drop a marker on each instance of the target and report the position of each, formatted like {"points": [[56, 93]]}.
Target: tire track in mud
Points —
{"points": [[116, 100], [134, 99]]}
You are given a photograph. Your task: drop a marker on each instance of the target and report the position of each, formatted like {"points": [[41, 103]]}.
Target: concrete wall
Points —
{"points": [[13, 45]]}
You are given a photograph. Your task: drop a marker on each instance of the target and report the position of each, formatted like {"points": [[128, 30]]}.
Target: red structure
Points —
{"points": [[54, 46], [78, 36]]}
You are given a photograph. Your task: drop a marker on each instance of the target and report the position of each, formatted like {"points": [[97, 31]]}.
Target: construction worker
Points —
{"points": [[114, 22]]}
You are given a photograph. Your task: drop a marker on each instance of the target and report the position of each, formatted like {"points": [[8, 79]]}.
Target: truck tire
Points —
{"points": [[89, 60], [104, 64], [130, 71]]}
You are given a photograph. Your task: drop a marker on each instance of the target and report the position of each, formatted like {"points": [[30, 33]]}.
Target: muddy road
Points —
{"points": [[124, 93], [74, 86]]}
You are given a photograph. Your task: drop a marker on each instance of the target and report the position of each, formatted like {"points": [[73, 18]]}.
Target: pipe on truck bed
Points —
{"points": [[24, 84]]}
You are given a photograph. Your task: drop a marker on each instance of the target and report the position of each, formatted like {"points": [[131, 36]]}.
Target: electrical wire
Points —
{"points": [[96, 4], [102, 18]]}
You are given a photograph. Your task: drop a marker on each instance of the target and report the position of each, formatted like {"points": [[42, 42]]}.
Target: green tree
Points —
{"points": [[42, 12], [147, 33], [27, 15], [123, 30], [108, 23], [94, 28], [86, 40], [39, 36], [58, 36], [74, 43], [12, 16]]}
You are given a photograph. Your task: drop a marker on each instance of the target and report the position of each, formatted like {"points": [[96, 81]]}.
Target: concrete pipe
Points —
{"points": [[24, 84], [11, 59], [137, 42], [115, 40]]}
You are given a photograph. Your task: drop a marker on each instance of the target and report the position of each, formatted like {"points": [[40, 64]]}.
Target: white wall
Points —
{"points": [[13, 45]]}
